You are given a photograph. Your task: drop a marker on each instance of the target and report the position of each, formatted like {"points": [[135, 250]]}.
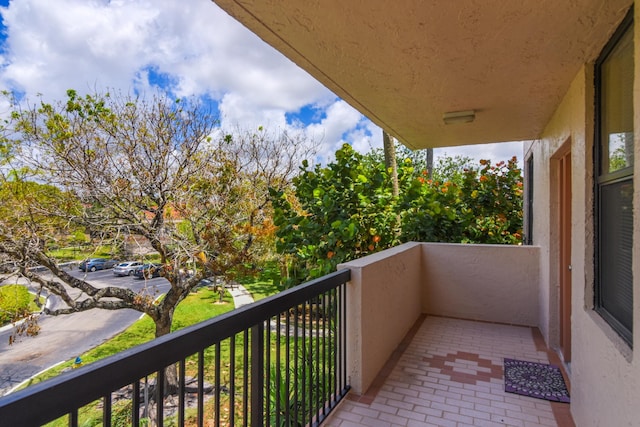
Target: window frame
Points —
{"points": [[610, 178]]}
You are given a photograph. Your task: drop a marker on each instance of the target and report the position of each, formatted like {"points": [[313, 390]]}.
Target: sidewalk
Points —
{"points": [[241, 296], [20, 363]]}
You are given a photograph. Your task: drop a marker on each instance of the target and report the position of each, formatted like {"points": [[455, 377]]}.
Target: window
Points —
{"points": [[614, 181], [528, 234]]}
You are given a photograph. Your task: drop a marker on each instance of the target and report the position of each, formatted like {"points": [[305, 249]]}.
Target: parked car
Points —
{"points": [[93, 264], [126, 268], [148, 271]]}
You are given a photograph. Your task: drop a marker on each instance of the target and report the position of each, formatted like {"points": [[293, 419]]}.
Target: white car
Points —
{"points": [[126, 268]]}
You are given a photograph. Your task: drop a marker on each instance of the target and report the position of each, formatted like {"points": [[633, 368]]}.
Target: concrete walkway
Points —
{"points": [[241, 296], [15, 361]]}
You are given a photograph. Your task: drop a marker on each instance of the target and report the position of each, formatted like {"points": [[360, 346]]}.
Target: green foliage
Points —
{"points": [[339, 212], [197, 307], [131, 171], [346, 210], [476, 205], [14, 302]]}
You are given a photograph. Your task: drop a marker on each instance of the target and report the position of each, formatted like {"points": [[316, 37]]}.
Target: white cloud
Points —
{"points": [[494, 152], [339, 125], [52, 46]]}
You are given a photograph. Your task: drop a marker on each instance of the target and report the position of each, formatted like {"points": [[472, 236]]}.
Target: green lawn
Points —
{"points": [[197, 307], [200, 305], [262, 285], [15, 302]]}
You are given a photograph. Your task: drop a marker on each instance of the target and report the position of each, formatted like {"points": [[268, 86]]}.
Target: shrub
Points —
{"points": [[14, 302]]}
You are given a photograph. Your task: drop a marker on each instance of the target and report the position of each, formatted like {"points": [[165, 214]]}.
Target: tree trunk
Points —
{"points": [[163, 327], [430, 162], [390, 162]]}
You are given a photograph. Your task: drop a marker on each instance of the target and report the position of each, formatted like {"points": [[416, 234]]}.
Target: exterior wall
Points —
{"points": [[389, 290], [383, 297], [496, 283], [605, 375], [542, 234]]}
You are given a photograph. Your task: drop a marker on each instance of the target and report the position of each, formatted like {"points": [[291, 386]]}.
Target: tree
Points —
{"points": [[347, 209], [390, 162], [157, 169], [339, 212]]}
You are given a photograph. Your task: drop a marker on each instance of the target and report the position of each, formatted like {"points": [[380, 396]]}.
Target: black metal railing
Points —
{"points": [[278, 362]]}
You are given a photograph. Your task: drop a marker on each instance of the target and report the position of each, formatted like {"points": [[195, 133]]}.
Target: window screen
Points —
{"points": [[614, 185]]}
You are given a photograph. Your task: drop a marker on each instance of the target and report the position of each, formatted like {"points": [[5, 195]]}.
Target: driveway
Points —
{"points": [[64, 337]]}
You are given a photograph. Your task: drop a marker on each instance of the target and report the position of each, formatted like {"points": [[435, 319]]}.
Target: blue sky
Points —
{"points": [[189, 47]]}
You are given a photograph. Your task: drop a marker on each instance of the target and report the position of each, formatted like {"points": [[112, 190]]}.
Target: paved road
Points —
{"points": [[64, 337]]}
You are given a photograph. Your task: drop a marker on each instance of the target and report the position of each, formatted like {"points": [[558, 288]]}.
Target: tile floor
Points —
{"points": [[448, 372]]}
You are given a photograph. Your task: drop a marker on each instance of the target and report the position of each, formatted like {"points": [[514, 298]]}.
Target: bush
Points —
{"points": [[346, 210], [14, 302]]}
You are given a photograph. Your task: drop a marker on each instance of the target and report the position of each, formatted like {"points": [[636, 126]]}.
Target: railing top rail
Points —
{"points": [[114, 372]]}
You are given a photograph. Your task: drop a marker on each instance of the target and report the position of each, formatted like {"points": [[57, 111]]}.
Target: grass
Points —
{"points": [[262, 285], [16, 300], [200, 305], [79, 253], [197, 307]]}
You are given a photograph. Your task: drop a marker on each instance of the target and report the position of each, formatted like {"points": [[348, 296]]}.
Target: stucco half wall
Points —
{"points": [[494, 283], [383, 299], [389, 291]]}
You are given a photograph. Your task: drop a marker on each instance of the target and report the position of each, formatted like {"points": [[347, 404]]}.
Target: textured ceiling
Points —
{"points": [[404, 63]]}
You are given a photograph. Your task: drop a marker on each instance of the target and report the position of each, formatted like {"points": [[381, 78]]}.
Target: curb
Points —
{"points": [[16, 387]]}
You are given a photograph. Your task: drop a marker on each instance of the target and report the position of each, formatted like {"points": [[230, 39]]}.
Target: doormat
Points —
{"points": [[535, 380]]}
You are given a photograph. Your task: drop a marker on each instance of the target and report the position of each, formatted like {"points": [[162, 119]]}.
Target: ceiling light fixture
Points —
{"points": [[454, 117]]}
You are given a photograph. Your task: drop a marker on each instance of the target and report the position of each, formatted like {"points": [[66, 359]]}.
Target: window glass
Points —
{"points": [[614, 189], [617, 106]]}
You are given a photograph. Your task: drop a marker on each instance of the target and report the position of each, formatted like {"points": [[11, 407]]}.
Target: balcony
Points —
{"points": [[429, 326], [414, 335], [448, 372]]}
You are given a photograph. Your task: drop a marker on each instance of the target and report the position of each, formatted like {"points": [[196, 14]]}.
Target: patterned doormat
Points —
{"points": [[535, 380]]}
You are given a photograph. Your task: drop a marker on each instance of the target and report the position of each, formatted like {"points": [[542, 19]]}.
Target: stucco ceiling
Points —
{"points": [[404, 63]]}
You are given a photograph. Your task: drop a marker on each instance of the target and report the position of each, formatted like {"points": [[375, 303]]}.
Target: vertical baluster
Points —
{"points": [[312, 338], [145, 412], [278, 364], [330, 352], [257, 375], [267, 372], [245, 380], [135, 404], [217, 385], [287, 368], [73, 418], [181, 392], [303, 323], [160, 397], [232, 380], [318, 364], [343, 353], [201, 388], [106, 410], [334, 345], [324, 371], [296, 367]]}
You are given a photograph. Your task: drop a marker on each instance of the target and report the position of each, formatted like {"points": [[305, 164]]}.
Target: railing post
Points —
{"points": [[257, 375]]}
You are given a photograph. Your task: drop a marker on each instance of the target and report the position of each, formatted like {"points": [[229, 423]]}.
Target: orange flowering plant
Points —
{"points": [[346, 210], [474, 204]]}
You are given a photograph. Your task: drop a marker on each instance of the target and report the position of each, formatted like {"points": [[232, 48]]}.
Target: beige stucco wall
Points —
{"points": [[496, 283], [604, 371], [389, 290], [383, 297]]}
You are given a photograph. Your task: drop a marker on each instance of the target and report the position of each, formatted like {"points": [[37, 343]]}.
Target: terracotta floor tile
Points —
{"points": [[449, 371]]}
